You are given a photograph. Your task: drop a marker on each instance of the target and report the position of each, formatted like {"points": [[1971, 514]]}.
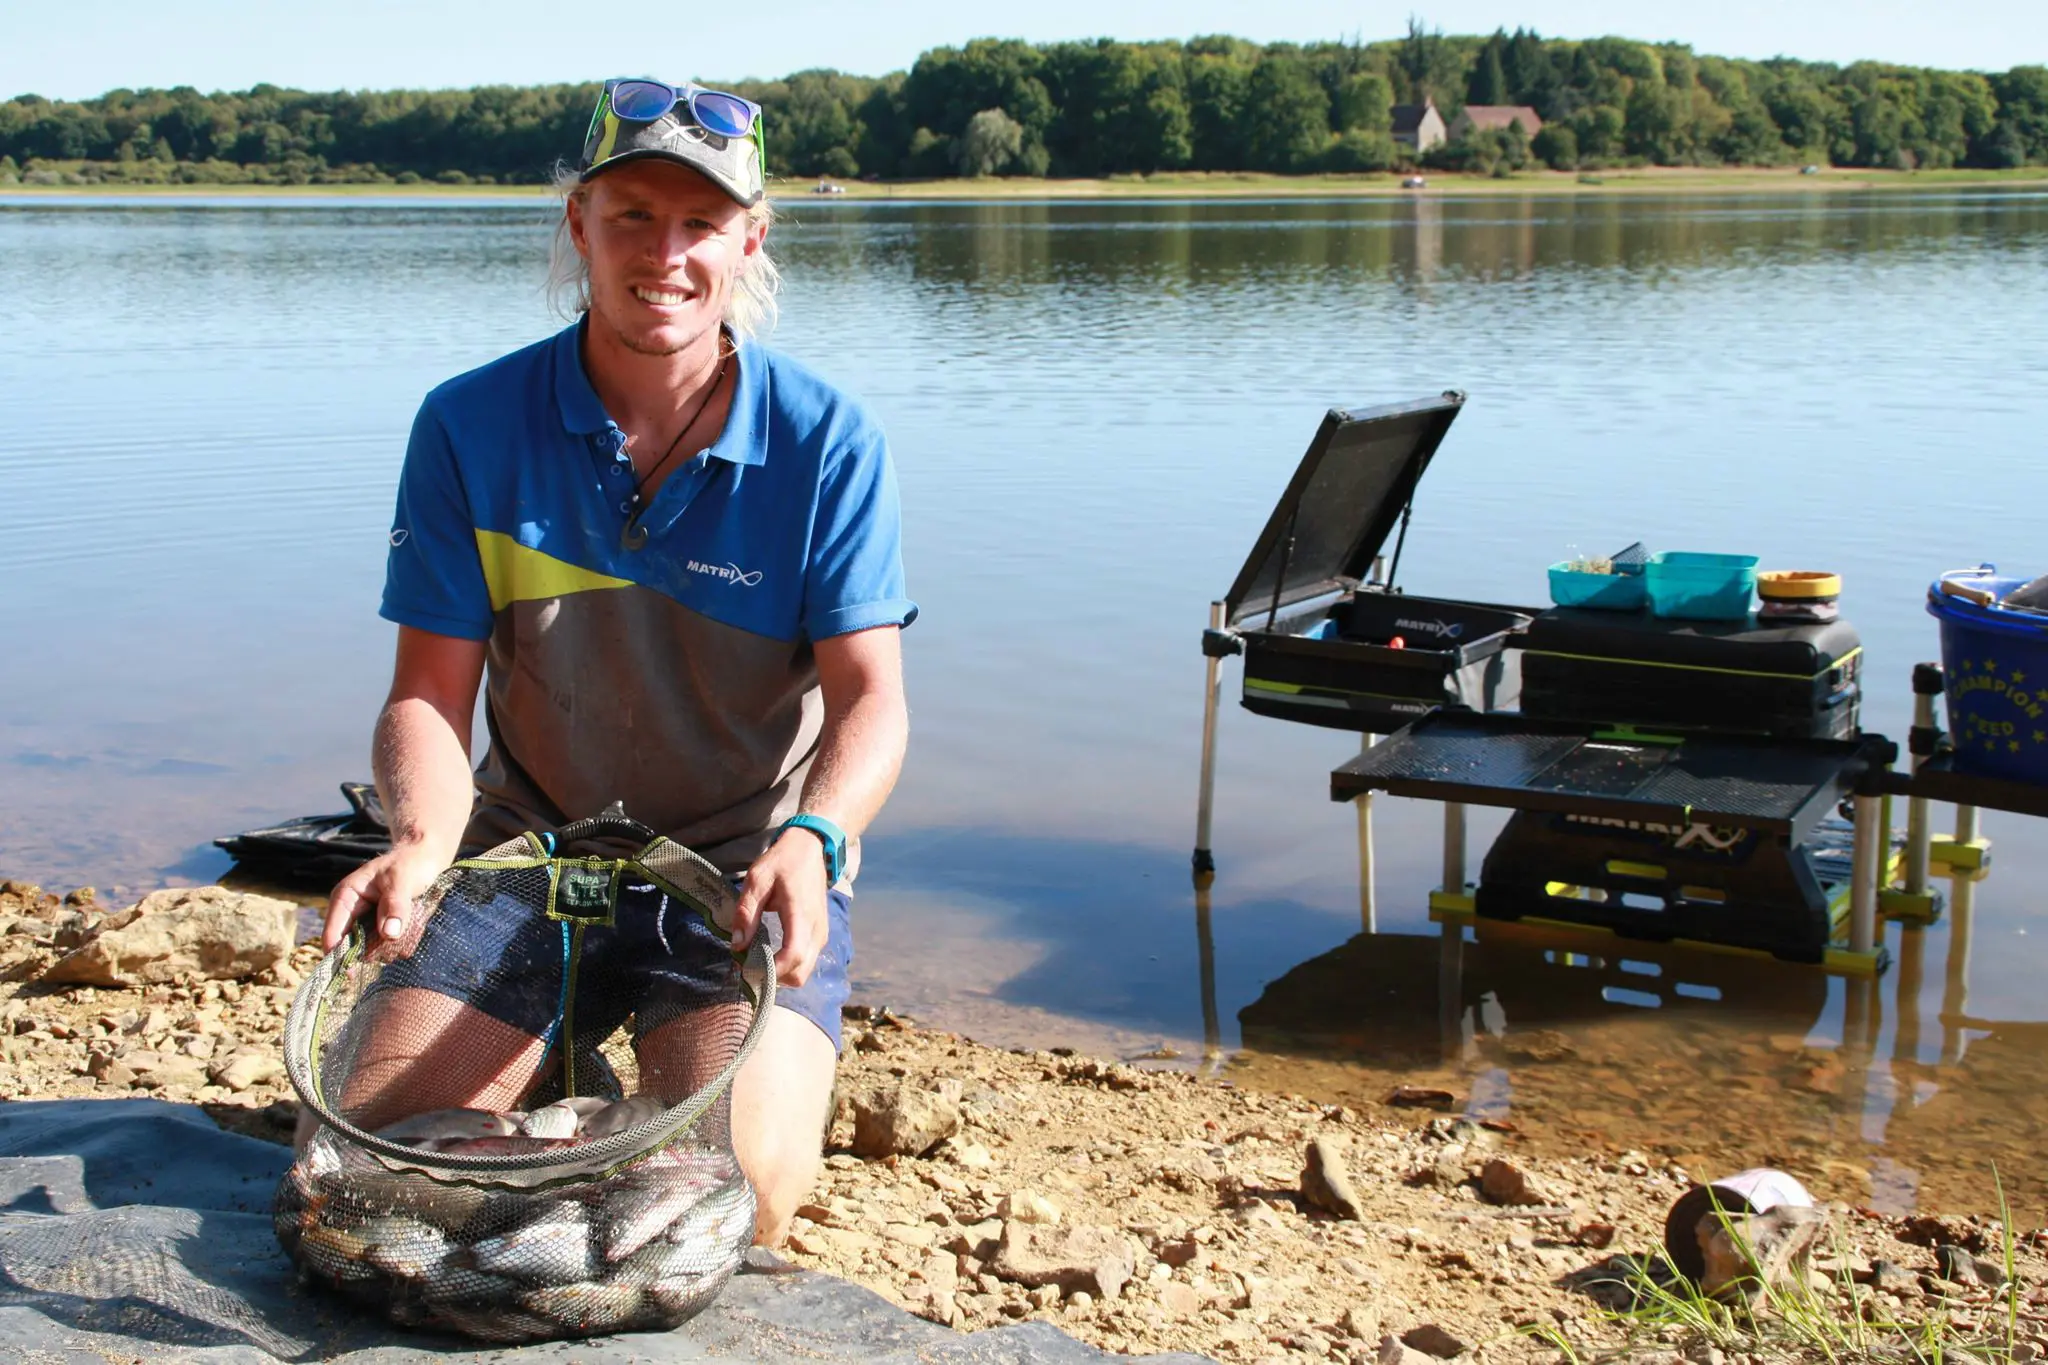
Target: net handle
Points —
{"points": [[610, 822], [302, 1026]]}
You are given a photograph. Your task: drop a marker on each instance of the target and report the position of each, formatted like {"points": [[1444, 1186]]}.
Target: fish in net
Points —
{"points": [[523, 1105]]}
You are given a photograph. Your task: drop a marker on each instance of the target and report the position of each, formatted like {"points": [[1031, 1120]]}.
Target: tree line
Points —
{"points": [[1006, 107]]}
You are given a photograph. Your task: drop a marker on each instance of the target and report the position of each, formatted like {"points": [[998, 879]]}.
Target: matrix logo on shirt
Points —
{"points": [[731, 573]]}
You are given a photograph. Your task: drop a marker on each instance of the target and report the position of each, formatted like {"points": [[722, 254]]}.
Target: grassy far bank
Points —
{"points": [[1175, 185]]}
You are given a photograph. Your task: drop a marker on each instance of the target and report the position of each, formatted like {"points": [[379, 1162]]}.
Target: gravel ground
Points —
{"points": [[1191, 1190]]}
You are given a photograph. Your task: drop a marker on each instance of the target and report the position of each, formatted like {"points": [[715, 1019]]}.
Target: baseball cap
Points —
{"points": [[713, 133]]}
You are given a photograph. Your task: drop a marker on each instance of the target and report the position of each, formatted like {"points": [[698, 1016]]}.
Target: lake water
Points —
{"points": [[1093, 407]]}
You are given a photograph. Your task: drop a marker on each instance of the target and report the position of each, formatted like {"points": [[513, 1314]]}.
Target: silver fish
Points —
{"points": [[380, 1193], [685, 1296], [441, 1125], [665, 1260], [723, 1219], [451, 1283], [405, 1247], [617, 1118], [335, 1254], [635, 1214], [587, 1308], [560, 1119], [540, 1253], [504, 1325]]}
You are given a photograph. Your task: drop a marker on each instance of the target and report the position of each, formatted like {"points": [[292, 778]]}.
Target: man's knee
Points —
{"points": [[778, 1117]]}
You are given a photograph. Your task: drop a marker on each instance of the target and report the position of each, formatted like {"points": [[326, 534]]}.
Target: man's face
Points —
{"points": [[663, 245]]}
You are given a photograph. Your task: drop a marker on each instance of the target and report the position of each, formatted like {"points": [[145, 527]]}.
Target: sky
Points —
{"points": [[52, 50]]}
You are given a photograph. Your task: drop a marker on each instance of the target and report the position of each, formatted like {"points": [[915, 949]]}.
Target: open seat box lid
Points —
{"points": [[1352, 486]]}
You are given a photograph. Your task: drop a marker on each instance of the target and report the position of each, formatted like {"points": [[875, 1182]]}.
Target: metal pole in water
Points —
{"points": [[1966, 824], [1955, 991], [1454, 848], [1204, 861], [1867, 856], [1919, 832], [1450, 992], [1906, 993], [1368, 907], [1205, 953]]}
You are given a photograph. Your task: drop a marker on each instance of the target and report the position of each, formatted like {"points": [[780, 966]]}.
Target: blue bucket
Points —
{"points": [[1994, 666]]}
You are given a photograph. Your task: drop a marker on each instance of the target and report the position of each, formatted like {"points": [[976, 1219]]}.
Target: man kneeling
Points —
{"points": [[672, 558]]}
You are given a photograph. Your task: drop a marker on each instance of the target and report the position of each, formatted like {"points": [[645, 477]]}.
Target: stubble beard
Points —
{"points": [[641, 346]]}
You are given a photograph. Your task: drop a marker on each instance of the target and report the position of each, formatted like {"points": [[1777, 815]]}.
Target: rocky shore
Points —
{"points": [[1141, 1210]]}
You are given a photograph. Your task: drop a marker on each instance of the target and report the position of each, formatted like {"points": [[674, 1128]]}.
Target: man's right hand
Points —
{"points": [[386, 888]]}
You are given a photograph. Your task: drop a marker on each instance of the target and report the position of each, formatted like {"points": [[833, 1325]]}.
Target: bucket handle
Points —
{"points": [[1951, 588]]}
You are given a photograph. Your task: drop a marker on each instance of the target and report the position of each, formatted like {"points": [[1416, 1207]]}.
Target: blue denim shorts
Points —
{"points": [[655, 961]]}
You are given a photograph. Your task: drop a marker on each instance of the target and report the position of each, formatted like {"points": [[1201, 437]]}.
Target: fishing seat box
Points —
{"points": [[1786, 680], [1317, 624]]}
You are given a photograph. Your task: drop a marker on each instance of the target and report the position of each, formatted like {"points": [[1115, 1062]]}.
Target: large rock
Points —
{"points": [[1746, 1254], [1504, 1182], [902, 1121], [1430, 1339], [182, 935], [1094, 1260], [246, 1069], [1326, 1184]]}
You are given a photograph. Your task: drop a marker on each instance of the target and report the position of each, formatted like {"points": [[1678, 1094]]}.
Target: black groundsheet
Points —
{"points": [[137, 1230]]}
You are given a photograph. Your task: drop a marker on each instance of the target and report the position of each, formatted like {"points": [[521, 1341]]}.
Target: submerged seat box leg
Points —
{"points": [[1368, 902], [1868, 856], [1968, 854], [1204, 860], [1912, 901], [1454, 849]]}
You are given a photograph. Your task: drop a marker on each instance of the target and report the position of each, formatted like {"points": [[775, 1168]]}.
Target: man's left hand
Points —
{"points": [[787, 881]]}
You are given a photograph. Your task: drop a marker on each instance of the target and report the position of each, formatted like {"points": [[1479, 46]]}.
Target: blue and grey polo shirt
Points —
{"points": [[675, 675]]}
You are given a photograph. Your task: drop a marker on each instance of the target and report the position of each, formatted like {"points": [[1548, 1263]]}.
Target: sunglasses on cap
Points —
{"points": [[644, 101]]}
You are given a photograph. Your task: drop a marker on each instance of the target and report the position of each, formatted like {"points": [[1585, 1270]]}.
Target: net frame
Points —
{"points": [[684, 875]]}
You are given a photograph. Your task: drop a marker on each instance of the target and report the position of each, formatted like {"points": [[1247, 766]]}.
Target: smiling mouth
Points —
{"points": [[666, 298]]}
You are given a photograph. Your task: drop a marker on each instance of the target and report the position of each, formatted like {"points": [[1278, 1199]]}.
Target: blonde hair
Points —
{"points": [[750, 308]]}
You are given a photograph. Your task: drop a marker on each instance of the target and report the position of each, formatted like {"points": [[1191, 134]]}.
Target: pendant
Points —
{"points": [[634, 537]]}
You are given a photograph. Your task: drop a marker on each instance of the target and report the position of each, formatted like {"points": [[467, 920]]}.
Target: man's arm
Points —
{"points": [[420, 757], [860, 752]]}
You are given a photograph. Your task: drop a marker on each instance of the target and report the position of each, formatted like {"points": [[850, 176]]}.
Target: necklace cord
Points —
{"points": [[710, 392]]}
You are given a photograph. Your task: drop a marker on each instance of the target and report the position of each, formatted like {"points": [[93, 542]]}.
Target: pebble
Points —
{"points": [[1025, 1206]]}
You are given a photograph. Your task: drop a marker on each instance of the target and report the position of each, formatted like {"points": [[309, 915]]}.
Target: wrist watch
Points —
{"points": [[831, 836]]}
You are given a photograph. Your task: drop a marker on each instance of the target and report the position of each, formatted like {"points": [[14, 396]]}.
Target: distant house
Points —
{"points": [[1419, 127], [1491, 118]]}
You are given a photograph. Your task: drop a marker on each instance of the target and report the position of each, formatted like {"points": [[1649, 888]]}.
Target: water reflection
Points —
{"points": [[1154, 243], [1716, 1060]]}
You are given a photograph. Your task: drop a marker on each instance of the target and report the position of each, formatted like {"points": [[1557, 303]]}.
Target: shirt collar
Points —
{"points": [[742, 441]]}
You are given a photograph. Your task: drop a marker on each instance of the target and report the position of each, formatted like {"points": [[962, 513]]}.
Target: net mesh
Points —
{"points": [[523, 1104]]}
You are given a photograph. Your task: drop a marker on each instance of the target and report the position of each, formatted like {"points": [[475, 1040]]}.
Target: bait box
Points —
{"points": [[1317, 624], [1735, 677]]}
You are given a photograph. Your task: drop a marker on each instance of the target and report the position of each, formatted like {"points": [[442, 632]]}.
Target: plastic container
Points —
{"points": [[1697, 587], [1994, 664], [1798, 595], [1606, 591]]}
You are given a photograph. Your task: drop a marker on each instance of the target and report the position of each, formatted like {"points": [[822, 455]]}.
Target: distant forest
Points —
{"points": [[1004, 107]]}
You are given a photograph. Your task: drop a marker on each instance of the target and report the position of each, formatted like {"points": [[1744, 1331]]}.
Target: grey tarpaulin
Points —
{"points": [[138, 1230]]}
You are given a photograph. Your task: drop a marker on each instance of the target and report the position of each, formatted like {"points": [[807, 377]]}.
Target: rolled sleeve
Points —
{"points": [[433, 577], [854, 579]]}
